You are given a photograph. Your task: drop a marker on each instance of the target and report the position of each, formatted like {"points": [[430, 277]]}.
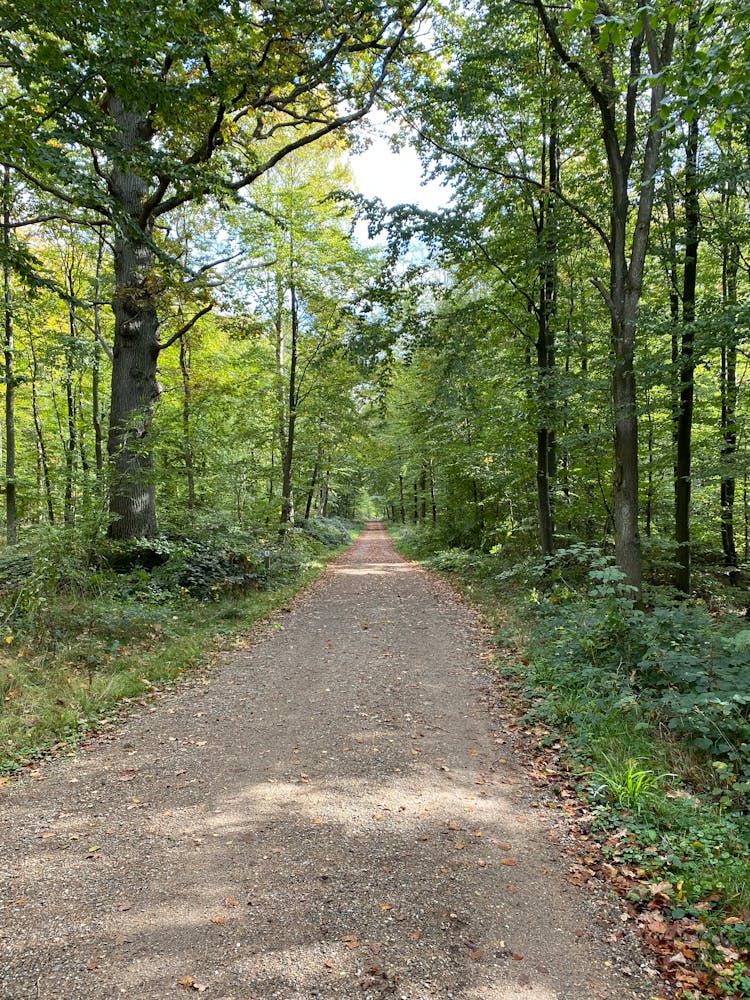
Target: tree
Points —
{"points": [[618, 101], [129, 113]]}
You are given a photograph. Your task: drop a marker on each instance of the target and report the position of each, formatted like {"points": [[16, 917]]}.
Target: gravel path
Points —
{"points": [[327, 817]]}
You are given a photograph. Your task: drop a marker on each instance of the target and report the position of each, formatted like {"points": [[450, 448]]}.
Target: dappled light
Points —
{"points": [[328, 818]]}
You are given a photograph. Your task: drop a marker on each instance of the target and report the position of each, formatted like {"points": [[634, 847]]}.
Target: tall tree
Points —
{"points": [[613, 74], [129, 113]]}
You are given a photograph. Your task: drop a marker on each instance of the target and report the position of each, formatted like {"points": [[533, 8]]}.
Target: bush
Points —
{"points": [[673, 662]]}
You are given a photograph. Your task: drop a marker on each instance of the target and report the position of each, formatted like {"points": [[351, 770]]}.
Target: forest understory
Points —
{"points": [[635, 720]]}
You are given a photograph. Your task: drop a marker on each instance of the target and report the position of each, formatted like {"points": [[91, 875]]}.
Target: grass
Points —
{"points": [[95, 658]]}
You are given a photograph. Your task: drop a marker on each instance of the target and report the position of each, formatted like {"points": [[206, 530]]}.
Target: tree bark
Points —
{"points": [[96, 408], [546, 457], [41, 445], [11, 512], [287, 488], [187, 431], [71, 442], [627, 253], [729, 395], [687, 363], [135, 388]]}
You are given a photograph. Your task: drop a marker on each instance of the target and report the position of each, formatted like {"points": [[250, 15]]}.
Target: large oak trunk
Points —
{"points": [[135, 388]]}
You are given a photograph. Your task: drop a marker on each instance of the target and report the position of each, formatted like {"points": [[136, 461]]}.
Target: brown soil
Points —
{"points": [[329, 816]]}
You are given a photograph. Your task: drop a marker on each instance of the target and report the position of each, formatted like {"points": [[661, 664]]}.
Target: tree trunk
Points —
{"points": [[71, 442], [311, 491], [687, 364], [729, 393], [287, 490], [423, 494], [39, 430], [314, 481], [96, 410], [11, 514], [187, 431], [135, 388], [649, 512], [432, 494], [546, 457], [626, 269]]}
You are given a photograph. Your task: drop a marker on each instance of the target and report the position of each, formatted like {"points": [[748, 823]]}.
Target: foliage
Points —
{"points": [[647, 709], [116, 621]]}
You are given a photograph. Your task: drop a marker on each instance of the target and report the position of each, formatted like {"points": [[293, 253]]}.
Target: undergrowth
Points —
{"points": [[87, 628], [653, 706]]}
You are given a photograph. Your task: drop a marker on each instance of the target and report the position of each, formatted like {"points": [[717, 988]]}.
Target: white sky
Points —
{"points": [[395, 178]]}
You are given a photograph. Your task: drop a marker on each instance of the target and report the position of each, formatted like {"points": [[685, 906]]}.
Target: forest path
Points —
{"points": [[327, 817]]}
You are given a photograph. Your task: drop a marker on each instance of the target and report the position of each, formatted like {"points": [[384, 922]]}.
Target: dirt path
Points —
{"points": [[328, 818]]}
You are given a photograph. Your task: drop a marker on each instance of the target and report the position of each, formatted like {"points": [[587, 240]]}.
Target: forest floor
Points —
{"points": [[334, 811]]}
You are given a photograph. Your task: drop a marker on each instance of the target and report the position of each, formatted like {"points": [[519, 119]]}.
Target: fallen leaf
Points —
{"points": [[231, 901], [93, 964], [460, 845], [476, 955], [386, 906], [415, 935], [186, 982], [509, 861], [351, 941], [218, 920], [330, 965], [375, 947]]}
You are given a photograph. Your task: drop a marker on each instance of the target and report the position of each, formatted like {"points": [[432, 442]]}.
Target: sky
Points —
{"points": [[395, 178]]}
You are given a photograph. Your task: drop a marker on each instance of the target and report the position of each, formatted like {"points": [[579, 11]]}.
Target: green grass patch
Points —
{"points": [[75, 658]]}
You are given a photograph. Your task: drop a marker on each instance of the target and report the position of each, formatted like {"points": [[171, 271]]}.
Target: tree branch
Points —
{"points": [[184, 329]]}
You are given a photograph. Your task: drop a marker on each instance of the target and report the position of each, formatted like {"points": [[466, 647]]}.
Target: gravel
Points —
{"points": [[325, 816]]}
